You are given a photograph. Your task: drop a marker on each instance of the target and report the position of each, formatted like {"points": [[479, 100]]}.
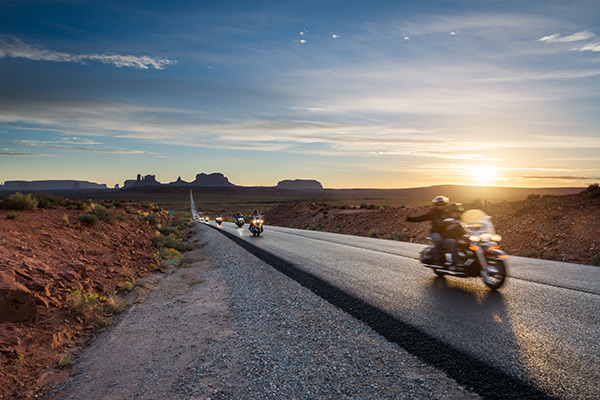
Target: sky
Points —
{"points": [[355, 94]]}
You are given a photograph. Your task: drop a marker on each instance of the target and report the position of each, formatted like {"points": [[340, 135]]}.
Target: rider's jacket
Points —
{"points": [[452, 229], [435, 215]]}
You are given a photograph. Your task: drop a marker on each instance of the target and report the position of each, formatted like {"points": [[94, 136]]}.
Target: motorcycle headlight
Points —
{"points": [[260, 220], [474, 238], [496, 238]]}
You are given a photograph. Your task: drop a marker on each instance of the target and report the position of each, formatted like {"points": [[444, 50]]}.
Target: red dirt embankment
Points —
{"points": [[45, 256], [564, 228]]}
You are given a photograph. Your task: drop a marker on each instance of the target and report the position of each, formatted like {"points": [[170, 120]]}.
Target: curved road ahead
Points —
{"points": [[537, 337]]}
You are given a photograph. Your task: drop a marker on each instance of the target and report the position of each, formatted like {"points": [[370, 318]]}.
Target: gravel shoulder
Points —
{"points": [[226, 325]]}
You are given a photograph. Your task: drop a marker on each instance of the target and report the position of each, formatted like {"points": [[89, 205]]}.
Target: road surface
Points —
{"points": [[537, 337]]}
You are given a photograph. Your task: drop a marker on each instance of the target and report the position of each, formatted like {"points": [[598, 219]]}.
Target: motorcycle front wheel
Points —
{"points": [[495, 274]]}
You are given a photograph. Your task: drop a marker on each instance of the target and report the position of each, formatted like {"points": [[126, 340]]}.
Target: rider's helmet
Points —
{"points": [[455, 208], [440, 201]]}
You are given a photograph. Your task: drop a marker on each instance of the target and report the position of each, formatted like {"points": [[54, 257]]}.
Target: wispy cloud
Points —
{"points": [[15, 48], [575, 37], [13, 154], [53, 145], [557, 177], [590, 47]]}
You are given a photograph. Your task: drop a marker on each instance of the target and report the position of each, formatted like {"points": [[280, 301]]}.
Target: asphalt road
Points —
{"points": [[537, 337]]}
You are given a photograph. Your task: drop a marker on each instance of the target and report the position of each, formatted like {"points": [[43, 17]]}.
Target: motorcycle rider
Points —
{"points": [[453, 231], [436, 215]]}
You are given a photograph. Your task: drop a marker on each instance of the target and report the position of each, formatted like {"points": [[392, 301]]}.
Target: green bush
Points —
{"points": [[88, 219], [151, 219], [374, 233], [12, 215], [104, 214], [19, 201], [550, 255], [167, 230], [49, 201], [170, 242]]}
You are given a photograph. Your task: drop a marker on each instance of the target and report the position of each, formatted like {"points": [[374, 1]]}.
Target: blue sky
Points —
{"points": [[352, 93]]}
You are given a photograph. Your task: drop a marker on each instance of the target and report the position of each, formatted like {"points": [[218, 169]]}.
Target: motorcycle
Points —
{"points": [[478, 252], [239, 220], [256, 226], [219, 220]]}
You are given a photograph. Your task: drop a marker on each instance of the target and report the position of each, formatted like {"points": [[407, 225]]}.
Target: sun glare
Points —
{"points": [[484, 175]]}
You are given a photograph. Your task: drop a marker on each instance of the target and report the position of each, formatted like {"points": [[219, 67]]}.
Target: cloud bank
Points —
{"points": [[15, 48]]}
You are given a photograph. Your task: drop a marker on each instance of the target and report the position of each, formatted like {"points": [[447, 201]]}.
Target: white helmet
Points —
{"points": [[439, 201]]}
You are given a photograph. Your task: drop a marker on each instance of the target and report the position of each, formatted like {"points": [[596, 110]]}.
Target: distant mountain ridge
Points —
{"points": [[300, 184], [67, 184], [216, 179]]}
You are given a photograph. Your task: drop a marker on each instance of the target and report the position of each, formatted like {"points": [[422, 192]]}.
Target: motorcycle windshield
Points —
{"points": [[477, 222]]}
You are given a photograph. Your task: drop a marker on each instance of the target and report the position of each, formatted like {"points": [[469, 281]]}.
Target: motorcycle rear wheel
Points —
{"points": [[494, 280]]}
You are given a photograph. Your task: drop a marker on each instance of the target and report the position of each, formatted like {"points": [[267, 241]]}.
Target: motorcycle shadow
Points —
{"points": [[469, 304]]}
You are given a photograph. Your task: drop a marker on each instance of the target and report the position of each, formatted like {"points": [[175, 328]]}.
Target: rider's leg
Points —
{"points": [[450, 244], [437, 240]]}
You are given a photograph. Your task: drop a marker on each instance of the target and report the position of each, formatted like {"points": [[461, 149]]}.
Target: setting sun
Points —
{"points": [[484, 174]]}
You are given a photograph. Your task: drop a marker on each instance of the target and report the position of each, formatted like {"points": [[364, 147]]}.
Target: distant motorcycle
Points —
{"points": [[478, 252], [219, 220], [239, 220], [256, 226]]}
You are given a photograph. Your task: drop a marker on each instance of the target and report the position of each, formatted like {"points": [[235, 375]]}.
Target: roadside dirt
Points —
{"points": [[563, 228], [158, 340], [48, 254]]}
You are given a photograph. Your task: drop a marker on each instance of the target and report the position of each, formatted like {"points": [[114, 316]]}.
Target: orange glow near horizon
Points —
{"points": [[485, 175]]}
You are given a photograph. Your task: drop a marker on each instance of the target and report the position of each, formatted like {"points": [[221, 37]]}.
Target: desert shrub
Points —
{"points": [[159, 241], [533, 196], [88, 219], [127, 286], [167, 230], [166, 258], [104, 214], [150, 218], [399, 236], [531, 253], [317, 227], [19, 201], [594, 187], [12, 215], [170, 242], [596, 260], [374, 233], [49, 201], [550, 255], [94, 308]]}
